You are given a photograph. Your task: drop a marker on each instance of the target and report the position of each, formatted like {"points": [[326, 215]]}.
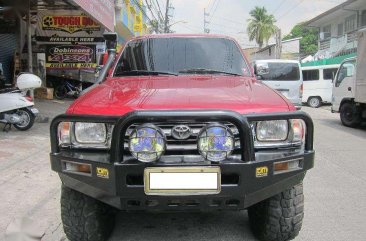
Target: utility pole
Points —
{"points": [[166, 20], [205, 21], [278, 43], [29, 39]]}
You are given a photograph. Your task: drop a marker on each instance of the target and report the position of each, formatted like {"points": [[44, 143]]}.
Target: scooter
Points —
{"points": [[16, 108]]}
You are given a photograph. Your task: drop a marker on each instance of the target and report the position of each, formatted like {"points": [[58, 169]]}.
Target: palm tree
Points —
{"points": [[261, 25]]}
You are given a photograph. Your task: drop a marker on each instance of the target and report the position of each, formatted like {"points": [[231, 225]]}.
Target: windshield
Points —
{"points": [[181, 56], [281, 71]]}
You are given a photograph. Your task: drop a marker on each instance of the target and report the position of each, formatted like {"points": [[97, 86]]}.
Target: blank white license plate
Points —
{"points": [[182, 180]]}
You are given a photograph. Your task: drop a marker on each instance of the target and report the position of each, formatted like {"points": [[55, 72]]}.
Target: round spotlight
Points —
{"points": [[216, 142], [147, 143]]}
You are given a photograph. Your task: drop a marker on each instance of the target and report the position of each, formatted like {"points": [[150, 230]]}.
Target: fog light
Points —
{"points": [[147, 143], [215, 142]]}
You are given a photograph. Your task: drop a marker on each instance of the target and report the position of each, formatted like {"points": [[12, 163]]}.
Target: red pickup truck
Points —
{"points": [[181, 123]]}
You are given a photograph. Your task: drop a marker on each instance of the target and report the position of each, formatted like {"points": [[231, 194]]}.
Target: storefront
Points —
{"points": [[66, 36]]}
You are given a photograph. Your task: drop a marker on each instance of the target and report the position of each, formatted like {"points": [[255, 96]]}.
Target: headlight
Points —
{"points": [[215, 142], [147, 143], [85, 135], [279, 133], [90, 133], [274, 130]]}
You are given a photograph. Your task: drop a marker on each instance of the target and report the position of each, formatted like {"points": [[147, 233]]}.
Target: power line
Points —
{"points": [[226, 19], [214, 10], [291, 9], [157, 8], [279, 6]]}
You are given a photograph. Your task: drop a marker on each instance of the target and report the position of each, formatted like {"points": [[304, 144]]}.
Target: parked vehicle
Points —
{"points": [[349, 90], [318, 84], [67, 88], [282, 75], [17, 109], [177, 126]]}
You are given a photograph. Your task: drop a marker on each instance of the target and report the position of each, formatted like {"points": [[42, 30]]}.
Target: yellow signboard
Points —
{"points": [[137, 27]]}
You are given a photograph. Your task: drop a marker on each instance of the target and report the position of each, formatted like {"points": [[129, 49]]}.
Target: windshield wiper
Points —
{"points": [[143, 72], [208, 71]]}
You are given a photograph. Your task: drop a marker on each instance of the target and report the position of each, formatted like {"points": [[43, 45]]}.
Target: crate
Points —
{"points": [[44, 93]]}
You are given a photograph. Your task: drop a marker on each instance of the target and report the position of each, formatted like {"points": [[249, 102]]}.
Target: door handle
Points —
{"points": [[349, 88]]}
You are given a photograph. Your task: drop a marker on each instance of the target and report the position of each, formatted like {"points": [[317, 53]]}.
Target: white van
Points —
{"points": [[318, 84], [282, 75]]}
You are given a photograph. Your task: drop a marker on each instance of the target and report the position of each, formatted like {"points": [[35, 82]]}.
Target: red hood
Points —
{"points": [[118, 96]]}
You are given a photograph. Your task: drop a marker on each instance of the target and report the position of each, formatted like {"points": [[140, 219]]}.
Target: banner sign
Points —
{"points": [[70, 57], [68, 26], [100, 10]]}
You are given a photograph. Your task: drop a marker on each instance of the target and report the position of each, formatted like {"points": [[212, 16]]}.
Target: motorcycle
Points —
{"points": [[16, 108]]}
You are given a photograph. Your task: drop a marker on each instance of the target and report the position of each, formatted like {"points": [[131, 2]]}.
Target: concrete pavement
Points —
{"points": [[335, 193]]}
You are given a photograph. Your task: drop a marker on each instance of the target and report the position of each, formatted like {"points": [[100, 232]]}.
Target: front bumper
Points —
{"points": [[123, 187]]}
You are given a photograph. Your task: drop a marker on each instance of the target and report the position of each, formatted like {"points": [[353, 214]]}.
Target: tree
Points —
{"points": [[309, 41], [261, 25]]}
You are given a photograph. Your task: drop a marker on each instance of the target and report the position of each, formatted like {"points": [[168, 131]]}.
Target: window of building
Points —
{"points": [[363, 18], [327, 31], [350, 23], [309, 75], [329, 74], [340, 29]]}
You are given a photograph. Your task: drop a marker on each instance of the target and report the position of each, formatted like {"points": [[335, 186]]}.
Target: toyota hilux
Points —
{"points": [[180, 123]]}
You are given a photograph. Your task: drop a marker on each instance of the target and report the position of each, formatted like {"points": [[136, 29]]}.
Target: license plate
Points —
{"points": [[182, 180]]}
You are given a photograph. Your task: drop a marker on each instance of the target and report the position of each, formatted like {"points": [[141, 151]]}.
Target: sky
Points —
{"points": [[229, 17]]}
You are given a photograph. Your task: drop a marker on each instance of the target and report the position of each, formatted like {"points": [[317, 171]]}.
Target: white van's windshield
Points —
{"points": [[281, 72]]}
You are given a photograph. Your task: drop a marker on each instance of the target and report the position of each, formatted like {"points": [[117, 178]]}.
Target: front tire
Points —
{"points": [[85, 218], [27, 119], [314, 102], [278, 218], [349, 115]]}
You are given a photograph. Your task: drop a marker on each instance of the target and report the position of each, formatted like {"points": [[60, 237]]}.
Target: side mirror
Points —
{"points": [[111, 40]]}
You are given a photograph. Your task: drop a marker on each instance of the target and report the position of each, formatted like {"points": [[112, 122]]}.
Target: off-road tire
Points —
{"points": [[85, 218], [278, 218], [349, 115], [314, 102]]}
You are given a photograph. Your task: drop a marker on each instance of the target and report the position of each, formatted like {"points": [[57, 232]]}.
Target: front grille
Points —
{"points": [[187, 146]]}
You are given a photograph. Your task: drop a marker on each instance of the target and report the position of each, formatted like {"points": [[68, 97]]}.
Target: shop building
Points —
{"points": [[66, 36]]}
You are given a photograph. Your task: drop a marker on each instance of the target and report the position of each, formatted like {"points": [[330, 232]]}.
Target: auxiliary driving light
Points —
{"points": [[215, 142], [147, 143]]}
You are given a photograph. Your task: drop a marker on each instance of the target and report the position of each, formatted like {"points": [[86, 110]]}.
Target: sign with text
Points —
{"points": [[70, 57], [137, 27], [68, 26], [100, 10]]}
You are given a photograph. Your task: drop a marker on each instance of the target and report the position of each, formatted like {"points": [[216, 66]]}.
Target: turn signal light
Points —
{"points": [[77, 168], [287, 166]]}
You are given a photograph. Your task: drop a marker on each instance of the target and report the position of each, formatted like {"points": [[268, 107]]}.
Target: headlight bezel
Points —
{"points": [[71, 141], [290, 140]]}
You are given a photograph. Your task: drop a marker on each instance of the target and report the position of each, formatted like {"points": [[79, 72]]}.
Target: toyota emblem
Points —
{"points": [[181, 132]]}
